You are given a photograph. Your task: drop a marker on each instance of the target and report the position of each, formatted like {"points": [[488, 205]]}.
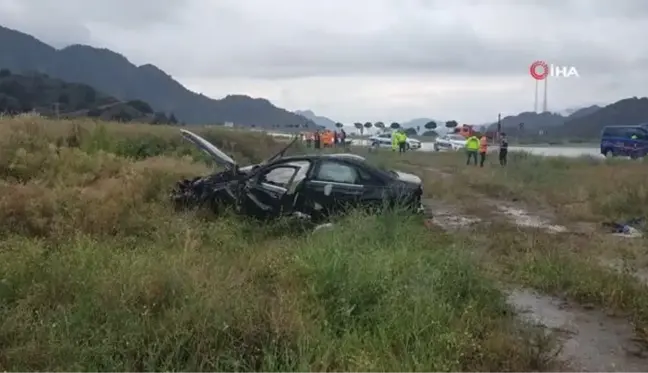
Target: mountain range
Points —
{"points": [[54, 97], [111, 73]]}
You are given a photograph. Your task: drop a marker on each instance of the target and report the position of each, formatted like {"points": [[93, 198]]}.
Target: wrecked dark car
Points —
{"points": [[313, 186]]}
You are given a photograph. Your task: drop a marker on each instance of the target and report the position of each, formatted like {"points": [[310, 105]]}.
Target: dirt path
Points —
{"points": [[590, 339]]}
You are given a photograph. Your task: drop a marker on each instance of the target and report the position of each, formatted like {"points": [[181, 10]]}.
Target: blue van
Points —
{"points": [[627, 141]]}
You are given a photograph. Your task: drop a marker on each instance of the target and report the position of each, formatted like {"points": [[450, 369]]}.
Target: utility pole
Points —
{"points": [[56, 110], [499, 126]]}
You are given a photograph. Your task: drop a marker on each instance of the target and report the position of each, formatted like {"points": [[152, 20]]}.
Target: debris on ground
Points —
{"points": [[632, 228]]}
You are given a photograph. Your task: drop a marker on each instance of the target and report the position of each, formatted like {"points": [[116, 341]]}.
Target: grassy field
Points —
{"points": [[586, 264], [98, 273]]}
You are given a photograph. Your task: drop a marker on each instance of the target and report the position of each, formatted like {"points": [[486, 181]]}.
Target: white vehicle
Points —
{"points": [[450, 142], [385, 140]]}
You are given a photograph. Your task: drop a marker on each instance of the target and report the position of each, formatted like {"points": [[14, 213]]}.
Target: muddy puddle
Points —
{"points": [[523, 218], [446, 217], [591, 340]]}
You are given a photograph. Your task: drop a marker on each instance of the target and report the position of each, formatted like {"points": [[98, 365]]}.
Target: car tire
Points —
{"points": [[609, 153], [436, 148], [408, 146]]}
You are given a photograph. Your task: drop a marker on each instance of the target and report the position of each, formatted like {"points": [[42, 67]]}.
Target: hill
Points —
{"points": [[115, 75], [629, 111], [584, 123], [533, 123], [20, 93], [319, 120]]}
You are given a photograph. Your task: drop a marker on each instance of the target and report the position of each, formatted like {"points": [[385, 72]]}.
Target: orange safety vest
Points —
{"points": [[329, 138], [483, 144]]}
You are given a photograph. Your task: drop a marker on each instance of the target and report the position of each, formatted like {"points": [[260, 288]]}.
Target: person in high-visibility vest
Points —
{"points": [[402, 141], [472, 147], [394, 140], [483, 149]]}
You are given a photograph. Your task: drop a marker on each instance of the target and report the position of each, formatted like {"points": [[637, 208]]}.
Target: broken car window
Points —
{"points": [[280, 176], [337, 173]]}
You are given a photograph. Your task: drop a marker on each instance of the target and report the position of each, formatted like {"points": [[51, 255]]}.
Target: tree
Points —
{"points": [[5, 73], [339, 125], [380, 125], [411, 132], [368, 125], [394, 126], [358, 125], [173, 119], [430, 125], [521, 125], [451, 124]]}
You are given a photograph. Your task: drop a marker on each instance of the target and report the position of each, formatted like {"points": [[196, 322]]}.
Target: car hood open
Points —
{"points": [[219, 156]]}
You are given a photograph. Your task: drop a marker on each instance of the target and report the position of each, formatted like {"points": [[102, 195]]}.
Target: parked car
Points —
{"points": [[316, 186], [450, 142], [628, 141], [384, 140]]}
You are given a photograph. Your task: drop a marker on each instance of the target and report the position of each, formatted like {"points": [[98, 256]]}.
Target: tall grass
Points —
{"points": [[98, 273], [581, 188]]}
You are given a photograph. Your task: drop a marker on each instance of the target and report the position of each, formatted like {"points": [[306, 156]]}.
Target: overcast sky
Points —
{"points": [[360, 60]]}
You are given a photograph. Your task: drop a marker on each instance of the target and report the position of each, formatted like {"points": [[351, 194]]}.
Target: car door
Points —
{"points": [[272, 192], [637, 142], [629, 147], [337, 186]]}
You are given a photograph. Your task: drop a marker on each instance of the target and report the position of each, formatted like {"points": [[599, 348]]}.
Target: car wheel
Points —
{"points": [[408, 146], [609, 153], [436, 147]]}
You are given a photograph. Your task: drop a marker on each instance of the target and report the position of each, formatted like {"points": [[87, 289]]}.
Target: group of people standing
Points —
{"points": [[325, 139], [478, 147]]}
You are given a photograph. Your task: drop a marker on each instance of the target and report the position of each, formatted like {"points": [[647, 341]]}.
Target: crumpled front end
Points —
{"points": [[214, 192]]}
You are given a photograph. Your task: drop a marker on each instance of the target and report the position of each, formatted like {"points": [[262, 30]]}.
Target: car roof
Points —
{"points": [[346, 156]]}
